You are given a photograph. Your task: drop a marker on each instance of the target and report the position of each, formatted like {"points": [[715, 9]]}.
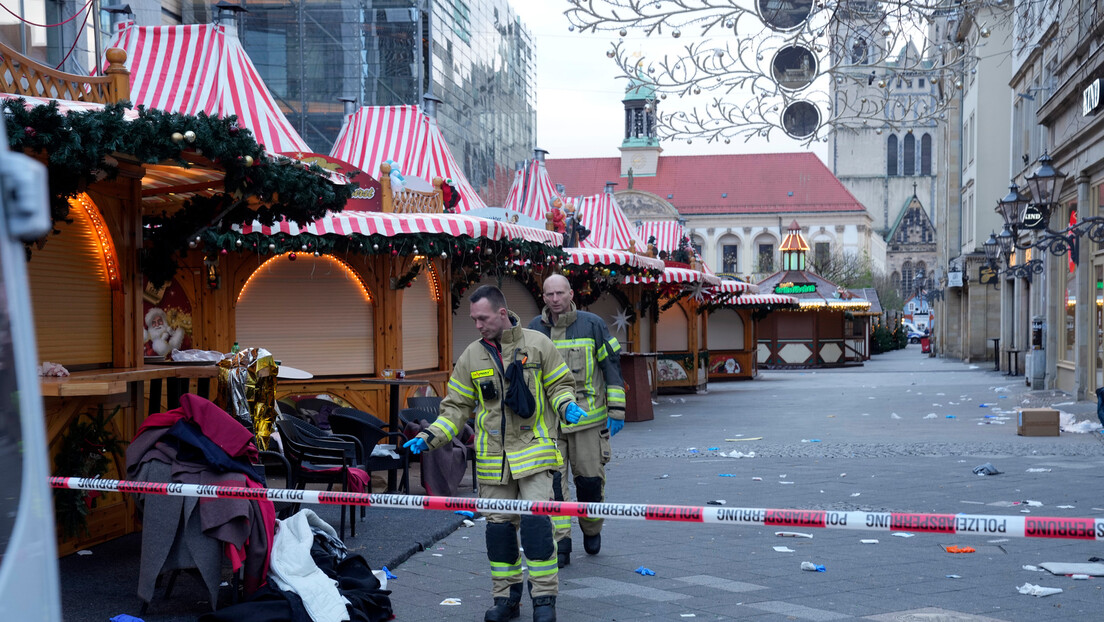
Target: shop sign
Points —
{"points": [[1033, 217], [795, 288], [1090, 98], [987, 275], [366, 198], [954, 278]]}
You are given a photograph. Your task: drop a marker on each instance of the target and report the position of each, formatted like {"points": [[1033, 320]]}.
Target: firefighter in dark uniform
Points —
{"points": [[595, 360]]}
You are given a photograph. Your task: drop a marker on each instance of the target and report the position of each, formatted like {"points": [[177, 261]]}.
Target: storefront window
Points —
{"points": [[1071, 297]]}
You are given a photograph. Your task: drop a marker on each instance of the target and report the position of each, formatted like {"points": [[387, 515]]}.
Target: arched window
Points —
{"points": [[906, 278], [910, 155], [896, 280], [858, 51], [891, 156], [925, 154]]}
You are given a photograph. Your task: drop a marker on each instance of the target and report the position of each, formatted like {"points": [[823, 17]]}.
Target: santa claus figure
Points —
{"points": [[159, 337]]}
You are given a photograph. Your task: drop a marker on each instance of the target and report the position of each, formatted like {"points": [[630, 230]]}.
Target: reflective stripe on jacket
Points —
{"points": [[595, 360], [501, 436]]}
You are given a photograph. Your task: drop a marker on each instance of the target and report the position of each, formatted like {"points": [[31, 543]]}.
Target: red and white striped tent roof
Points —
{"points": [[667, 234], [609, 227], [407, 136], [532, 192], [673, 274], [203, 68], [755, 300], [606, 257], [390, 225], [730, 286]]}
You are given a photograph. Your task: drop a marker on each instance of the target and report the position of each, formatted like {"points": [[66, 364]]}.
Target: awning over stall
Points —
{"points": [[755, 300], [587, 256], [667, 234], [389, 225]]}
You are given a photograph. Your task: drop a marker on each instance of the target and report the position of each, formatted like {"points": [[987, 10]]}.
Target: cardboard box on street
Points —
{"points": [[1038, 422]]}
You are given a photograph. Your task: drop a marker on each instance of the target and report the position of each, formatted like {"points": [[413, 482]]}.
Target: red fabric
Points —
{"points": [[225, 431], [357, 480], [755, 183]]}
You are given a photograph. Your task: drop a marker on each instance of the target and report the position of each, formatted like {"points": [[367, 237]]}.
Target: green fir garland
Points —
{"points": [[87, 449], [80, 148]]}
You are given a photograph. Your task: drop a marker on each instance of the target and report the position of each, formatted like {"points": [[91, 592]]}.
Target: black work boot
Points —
{"points": [[592, 544], [563, 552], [506, 608], [544, 609]]}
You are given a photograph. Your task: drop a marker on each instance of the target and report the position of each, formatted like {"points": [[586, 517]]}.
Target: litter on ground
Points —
{"points": [[1062, 568], [811, 567], [783, 549], [793, 534], [1037, 590], [869, 541], [954, 548], [902, 534], [451, 602], [645, 572]]}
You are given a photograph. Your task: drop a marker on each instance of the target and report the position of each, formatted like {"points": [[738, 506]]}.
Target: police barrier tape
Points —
{"points": [[1008, 526]]}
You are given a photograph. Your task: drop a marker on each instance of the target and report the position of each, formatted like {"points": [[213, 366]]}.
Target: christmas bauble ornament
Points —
{"points": [[375, 247], [303, 247], [191, 244], [190, 136], [249, 160], [223, 252], [177, 137], [291, 256], [444, 255], [271, 247], [238, 243]]}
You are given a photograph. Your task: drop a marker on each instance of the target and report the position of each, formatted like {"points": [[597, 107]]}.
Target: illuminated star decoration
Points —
{"points": [[621, 321]]}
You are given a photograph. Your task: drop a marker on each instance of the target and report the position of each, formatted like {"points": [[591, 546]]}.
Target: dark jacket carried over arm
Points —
{"points": [[502, 437]]}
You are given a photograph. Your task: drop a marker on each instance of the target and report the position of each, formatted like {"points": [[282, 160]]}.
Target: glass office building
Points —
{"points": [[477, 53]]}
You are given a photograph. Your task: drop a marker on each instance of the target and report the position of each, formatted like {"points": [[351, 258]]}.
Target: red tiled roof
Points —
{"points": [[754, 183]]}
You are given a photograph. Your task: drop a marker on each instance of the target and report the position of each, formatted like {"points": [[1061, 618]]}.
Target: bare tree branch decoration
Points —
{"points": [[802, 67]]}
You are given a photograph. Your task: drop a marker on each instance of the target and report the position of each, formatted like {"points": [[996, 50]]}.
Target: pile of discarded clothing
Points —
{"points": [[199, 443], [293, 570]]}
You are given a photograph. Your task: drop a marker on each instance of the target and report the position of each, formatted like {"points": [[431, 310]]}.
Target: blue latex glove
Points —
{"points": [[614, 426], [416, 445], [573, 413]]}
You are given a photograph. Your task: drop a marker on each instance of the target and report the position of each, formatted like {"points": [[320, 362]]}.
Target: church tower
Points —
{"points": [[640, 150], [880, 158]]}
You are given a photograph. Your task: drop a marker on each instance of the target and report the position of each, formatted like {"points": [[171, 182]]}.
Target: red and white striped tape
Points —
{"points": [[970, 524]]}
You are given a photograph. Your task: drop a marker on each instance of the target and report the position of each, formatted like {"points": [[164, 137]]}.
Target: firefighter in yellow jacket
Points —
{"points": [[517, 385]]}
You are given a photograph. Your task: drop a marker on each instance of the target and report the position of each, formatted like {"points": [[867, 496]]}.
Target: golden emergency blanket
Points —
{"points": [[247, 390]]}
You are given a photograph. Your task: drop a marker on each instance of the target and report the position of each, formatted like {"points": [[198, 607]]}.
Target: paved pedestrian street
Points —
{"points": [[902, 434]]}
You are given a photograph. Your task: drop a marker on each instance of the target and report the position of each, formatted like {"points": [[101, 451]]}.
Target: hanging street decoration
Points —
{"points": [[621, 321], [802, 67]]}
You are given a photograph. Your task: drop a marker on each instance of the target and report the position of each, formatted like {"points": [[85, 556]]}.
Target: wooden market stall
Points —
{"points": [[86, 278], [733, 329], [830, 327]]}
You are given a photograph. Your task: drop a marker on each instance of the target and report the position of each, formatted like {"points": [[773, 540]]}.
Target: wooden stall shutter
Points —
{"points": [[518, 299], [672, 332], [70, 296], [419, 324], [309, 313], [726, 330]]}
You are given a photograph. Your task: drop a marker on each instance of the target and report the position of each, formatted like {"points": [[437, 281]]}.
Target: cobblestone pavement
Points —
{"points": [[901, 434]]}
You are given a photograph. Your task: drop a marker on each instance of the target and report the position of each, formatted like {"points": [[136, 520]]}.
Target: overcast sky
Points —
{"points": [[579, 109]]}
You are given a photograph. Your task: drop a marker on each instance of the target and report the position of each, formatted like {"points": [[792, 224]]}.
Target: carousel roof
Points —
{"points": [[609, 227], [203, 68], [407, 136], [532, 191], [667, 234], [812, 290]]}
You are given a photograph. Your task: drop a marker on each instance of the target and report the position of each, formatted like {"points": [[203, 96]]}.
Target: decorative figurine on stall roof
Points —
{"points": [[556, 217], [574, 231], [398, 182], [685, 252], [651, 246], [450, 195]]}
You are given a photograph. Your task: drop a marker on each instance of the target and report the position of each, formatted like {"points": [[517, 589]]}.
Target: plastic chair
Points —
{"points": [[277, 473], [316, 410], [364, 428], [318, 461], [431, 403], [367, 416]]}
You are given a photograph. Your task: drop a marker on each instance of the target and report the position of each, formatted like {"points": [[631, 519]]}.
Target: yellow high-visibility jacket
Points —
{"points": [[595, 360], [502, 437]]}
